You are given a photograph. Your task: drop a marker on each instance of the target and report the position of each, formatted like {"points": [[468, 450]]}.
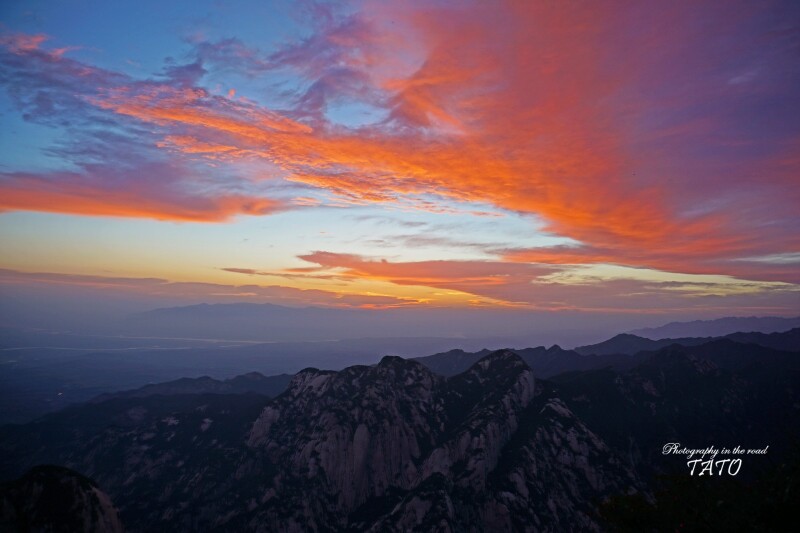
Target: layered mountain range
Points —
{"points": [[526, 440]]}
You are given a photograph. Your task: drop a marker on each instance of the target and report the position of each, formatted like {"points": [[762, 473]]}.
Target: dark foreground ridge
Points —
{"points": [[56, 499]]}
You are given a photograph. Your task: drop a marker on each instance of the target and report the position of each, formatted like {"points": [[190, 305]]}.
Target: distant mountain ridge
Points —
{"points": [[252, 382], [719, 327], [617, 352], [545, 362], [626, 343], [35, 383]]}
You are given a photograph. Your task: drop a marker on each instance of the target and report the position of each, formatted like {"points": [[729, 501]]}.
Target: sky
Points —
{"points": [[604, 158]]}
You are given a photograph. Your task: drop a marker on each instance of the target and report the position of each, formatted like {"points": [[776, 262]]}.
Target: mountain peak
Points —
{"points": [[500, 374], [249, 375], [395, 361], [623, 343], [498, 360], [626, 336]]}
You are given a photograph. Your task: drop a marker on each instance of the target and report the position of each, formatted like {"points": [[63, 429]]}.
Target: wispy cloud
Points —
{"points": [[114, 168]]}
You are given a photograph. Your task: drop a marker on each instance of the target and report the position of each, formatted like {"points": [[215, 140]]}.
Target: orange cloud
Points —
{"points": [[196, 107], [72, 194], [442, 274]]}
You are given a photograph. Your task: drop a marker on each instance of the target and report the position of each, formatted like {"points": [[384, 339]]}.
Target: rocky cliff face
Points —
{"points": [[55, 499], [395, 447]]}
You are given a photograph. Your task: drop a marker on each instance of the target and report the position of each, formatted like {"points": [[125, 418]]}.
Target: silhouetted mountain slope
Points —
{"points": [[625, 343], [57, 500], [252, 382], [738, 356], [552, 361], [722, 391], [712, 503], [628, 344], [719, 327], [545, 362], [786, 340]]}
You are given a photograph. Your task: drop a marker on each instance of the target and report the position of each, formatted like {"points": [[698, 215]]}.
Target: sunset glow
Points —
{"points": [[628, 158]]}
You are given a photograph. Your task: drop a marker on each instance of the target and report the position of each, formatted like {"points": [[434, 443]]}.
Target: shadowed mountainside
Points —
{"points": [[395, 446], [56, 500]]}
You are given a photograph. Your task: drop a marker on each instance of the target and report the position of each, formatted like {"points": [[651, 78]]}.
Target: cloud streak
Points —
{"points": [[157, 289], [549, 287]]}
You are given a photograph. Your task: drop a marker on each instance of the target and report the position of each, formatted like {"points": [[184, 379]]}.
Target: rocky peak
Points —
{"points": [[501, 374], [389, 361], [362, 430], [402, 370], [499, 367], [500, 360]]}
